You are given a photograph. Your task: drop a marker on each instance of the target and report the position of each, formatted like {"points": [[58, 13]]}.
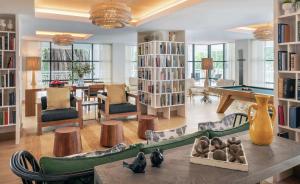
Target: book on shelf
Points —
{"points": [[284, 33], [12, 41], [4, 117], [298, 89], [294, 64], [281, 119], [12, 117], [12, 98], [286, 88], [294, 117], [282, 60]]}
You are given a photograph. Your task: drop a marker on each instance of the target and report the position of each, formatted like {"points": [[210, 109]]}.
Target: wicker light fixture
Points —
{"points": [[264, 33], [111, 14], [63, 39]]}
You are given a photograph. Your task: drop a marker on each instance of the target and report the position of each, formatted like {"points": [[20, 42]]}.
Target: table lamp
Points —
{"points": [[33, 64], [207, 64]]}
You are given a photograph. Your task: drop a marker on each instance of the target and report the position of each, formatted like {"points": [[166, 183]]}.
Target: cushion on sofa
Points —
{"points": [[120, 108], [116, 149], [58, 98], [173, 143], [44, 102], [53, 165], [157, 136], [59, 114], [116, 93], [241, 128]]}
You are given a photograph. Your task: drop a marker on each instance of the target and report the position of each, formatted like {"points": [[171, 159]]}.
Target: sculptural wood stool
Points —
{"points": [[67, 141], [146, 122], [111, 133]]}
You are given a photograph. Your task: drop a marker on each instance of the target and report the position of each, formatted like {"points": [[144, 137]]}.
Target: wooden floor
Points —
{"points": [[90, 134]]}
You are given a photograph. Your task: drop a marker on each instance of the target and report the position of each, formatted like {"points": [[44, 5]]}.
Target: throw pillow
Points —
{"points": [[58, 98], [116, 93], [116, 149], [157, 136]]}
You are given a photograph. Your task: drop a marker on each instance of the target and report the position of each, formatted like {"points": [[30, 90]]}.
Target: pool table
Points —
{"points": [[245, 93]]}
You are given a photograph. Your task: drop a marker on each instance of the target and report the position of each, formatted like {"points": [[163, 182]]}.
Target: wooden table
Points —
{"points": [[264, 162], [146, 122], [111, 133], [67, 141], [230, 93]]}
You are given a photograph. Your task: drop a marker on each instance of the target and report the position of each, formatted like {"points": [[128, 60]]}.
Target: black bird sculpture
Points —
{"points": [[156, 157], [138, 165]]}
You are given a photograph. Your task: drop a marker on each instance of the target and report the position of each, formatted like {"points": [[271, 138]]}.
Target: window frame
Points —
{"points": [[209, 54], [92, 61]]}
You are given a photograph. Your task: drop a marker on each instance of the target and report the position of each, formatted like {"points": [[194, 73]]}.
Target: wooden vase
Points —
{"points": [[261, 124]]}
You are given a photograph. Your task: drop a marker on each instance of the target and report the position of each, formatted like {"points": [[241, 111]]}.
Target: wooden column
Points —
{"points": [[111, 133], [146, 122], [67, 141]]}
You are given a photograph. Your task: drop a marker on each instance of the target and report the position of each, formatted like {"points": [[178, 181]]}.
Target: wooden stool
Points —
{"points": [[146, 122], [111, 133], [67, 141]]}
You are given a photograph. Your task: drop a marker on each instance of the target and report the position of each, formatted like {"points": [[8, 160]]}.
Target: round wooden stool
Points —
{"points": [[67, 141], [111, 133], [146, 122]]}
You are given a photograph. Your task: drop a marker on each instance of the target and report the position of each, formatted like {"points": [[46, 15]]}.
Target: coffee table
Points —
{"points": [[264, 162]]}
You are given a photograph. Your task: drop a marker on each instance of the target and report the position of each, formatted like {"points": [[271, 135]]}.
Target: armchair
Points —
{"points": [[110, 111], [46, 118]]}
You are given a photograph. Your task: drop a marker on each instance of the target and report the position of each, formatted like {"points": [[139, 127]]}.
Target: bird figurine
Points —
{"points": [[156, 157], [138, 165]]}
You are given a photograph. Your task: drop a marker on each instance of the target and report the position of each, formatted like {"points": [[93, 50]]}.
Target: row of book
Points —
{"points": [[161, 87], [8, 80], [171, 99], [172, 74], [284, 33], [7, 117], [288, 61], [145, 98], [286, 88], [8, 97], [7, 41], [161, 61], [162, 74], [161, 48], [294, 116], [8, 60], [298, 90]]}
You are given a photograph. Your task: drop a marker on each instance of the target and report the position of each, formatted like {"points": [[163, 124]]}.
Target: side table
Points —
{"points": [[67, 141], [146, 122], [111, 133]]}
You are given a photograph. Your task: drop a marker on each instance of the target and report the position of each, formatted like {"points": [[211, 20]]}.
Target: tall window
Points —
{"points": [[262, 60], [220, 57], [58, 61], [131, 61]]}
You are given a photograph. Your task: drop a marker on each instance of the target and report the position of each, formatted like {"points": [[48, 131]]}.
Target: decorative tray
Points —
{"points": [[218, 153]]}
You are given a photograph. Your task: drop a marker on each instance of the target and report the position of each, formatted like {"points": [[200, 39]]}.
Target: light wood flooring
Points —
{"points": [[90, 134]]}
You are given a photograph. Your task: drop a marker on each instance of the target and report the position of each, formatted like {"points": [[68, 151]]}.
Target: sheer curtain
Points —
{"points": [[102, 68], [131, 62], [261, 64]]}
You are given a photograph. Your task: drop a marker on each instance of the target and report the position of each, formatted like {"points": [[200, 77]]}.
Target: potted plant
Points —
{"points": [[288, 7], [79, 70]]}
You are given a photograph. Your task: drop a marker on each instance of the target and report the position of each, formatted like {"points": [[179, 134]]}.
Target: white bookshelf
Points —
{"points": [[289, 46], [8, 76], [161, 74]]}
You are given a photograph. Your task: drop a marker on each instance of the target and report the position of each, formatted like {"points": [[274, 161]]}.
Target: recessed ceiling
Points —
{"points": [[141, 9]]}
